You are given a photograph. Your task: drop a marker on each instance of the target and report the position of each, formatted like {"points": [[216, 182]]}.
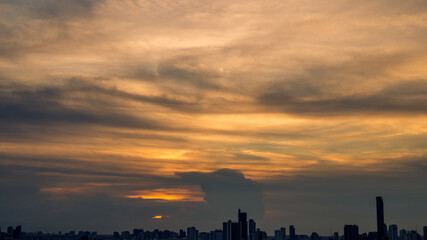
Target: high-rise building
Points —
{"points": [[216, 235], [402, 234], [192, 233], [380, 219], [10, 231], [336, 236], [392, 232], [204, 236], [425, 232], [243, 225], [17, 232], [413, 235], [351, 232], [252, 230], [292, 232], [280, 234], [258, 234], [230, 230], [283, 231], [315, 236]]}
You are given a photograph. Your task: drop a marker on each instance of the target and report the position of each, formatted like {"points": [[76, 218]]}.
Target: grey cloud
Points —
{"points": [[50, 105], [406, 97], [183, 69], [96, 209], [45, 9], [226, 191]]}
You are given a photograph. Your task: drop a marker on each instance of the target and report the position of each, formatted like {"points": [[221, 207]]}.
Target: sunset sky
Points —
{"points": [[169, 114]]}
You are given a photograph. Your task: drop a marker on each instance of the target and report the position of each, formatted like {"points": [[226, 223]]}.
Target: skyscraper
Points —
{"points": [[351, 232], [252, 230], [380, 219], [280, 234], [392, 232], [192, 233], [402, 234], [243, 225], [230, 230], [425, 232], [292, 232]]}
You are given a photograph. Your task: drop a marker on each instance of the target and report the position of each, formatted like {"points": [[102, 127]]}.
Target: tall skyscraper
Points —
{"points": [[351, 232], [380, 219], [392, 232], [292, 232], [243, 225]]}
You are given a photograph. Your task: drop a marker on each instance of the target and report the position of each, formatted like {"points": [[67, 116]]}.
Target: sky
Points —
{"points": [[296, 111]]}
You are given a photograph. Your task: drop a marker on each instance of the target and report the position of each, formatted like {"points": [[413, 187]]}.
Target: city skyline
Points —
{"points": [[231, 230], [244, 229], [172, 113]]}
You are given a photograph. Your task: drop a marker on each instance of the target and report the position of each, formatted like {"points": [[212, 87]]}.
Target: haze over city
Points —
{"points": [[117, 115]]}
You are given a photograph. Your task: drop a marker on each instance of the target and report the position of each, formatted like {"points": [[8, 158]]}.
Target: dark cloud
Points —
{"points": [[23, 197], [226, 191], [45, 9], [76, 102], [406, 97]]}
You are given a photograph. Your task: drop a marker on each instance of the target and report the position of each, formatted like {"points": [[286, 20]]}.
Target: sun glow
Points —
{"points": [[173, 194]]}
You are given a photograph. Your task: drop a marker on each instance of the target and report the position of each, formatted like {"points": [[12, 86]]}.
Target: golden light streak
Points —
{"points": [[171, 194]]}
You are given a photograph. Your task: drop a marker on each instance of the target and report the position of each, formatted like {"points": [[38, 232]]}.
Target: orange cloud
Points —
{"points": [[170, 194]]}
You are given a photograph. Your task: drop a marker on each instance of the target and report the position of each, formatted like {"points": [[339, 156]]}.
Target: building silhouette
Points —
{"points": [[292, 232], [425, 232], [402, 234], [381, 230], [192, 233], [336, 236], [280, 234], [392, 232], [314, 236], [252, 230], [243, 225], [230, 230], [351, 232], [216, 235]]}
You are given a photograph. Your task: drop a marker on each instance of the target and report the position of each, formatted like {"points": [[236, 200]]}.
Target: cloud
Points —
{"points": [[401, 98], [76, 102], [45, 9], [227, 190]]}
